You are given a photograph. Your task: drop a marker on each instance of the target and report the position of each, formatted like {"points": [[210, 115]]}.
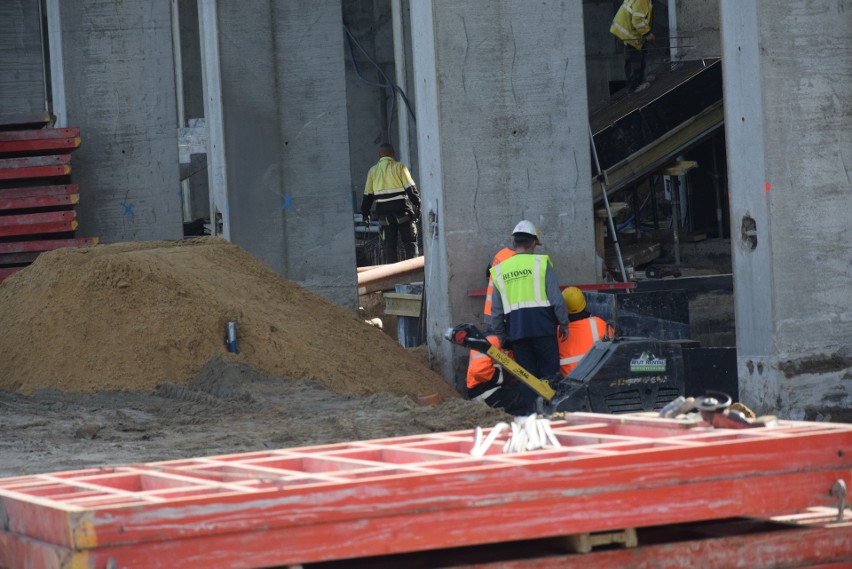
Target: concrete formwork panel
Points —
{"points": [[788, 107], [119, 89], [502, 136]]}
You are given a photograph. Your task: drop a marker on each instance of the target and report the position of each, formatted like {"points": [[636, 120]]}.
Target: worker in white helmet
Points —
{"points": [[528, 306]]}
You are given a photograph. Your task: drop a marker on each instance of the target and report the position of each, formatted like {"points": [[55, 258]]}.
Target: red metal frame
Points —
{"points": [[425, 492], [35, 167], [45, 245], [39, 197], [38, 223], [52, 140]]}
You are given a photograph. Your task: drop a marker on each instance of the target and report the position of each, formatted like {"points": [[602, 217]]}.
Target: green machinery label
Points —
{"points": [[648, 362]]}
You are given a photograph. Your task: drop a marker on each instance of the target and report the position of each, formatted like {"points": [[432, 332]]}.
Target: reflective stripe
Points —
{"points": [[477, 355], [497, 278], [388, 191], [385, 200], [570, 360], [593, 329], [485, 395], [530, 304], [537, 279]]}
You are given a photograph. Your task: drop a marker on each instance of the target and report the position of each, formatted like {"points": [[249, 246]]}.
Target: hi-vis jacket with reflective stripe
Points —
{"points": [[582, 335], [501, 256], [480, 367], [632, 22], [528, 303], [390, 185]]}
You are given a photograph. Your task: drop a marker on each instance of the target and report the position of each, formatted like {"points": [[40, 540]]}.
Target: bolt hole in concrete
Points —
{"points": [[748, 233]]}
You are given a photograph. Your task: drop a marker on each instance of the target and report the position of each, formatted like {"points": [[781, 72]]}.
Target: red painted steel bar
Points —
{"points": [[6, 272], [38, 223], [39, 197], [54, 140], [45, 245], [35, 167], [425, 492]]}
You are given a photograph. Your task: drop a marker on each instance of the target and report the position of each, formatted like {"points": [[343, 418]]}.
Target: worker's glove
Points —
{"points": [[563, 332]]}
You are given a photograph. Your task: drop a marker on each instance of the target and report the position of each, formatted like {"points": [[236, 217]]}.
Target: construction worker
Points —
{"points": [[632, 25], [501, 256], [583, 330], [528, 306], [487, 382], [391, 187]]}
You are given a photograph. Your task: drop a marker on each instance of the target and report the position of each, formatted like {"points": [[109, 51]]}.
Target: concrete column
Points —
{"points": [[788, 120], [502, 124], [695, 29], [21, 62], [119, 88], [285, 143]]}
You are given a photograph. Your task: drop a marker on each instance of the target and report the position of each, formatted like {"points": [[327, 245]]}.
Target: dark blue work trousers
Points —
{"points": [[539, 356]]}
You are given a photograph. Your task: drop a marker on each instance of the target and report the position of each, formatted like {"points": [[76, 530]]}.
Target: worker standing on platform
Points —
{"points": [[632, 25], [489, 383], [501, 256], [391, 187], [583, 330], [528, 306]]}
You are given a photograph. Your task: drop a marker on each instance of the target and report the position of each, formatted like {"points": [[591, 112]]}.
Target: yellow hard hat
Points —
{"points": [[574, 299]]}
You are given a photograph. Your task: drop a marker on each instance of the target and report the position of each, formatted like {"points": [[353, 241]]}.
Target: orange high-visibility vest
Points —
{"points": [[501, 256], [480, 368], [582, 335]]}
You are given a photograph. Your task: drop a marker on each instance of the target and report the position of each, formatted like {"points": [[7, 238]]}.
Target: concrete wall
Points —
{"points": [[697, 29], [21, 68], [502, 136], [119, 89], [286, 146], [788, 101]]}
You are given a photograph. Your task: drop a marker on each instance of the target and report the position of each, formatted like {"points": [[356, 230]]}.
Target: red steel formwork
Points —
{"points": [[426, 493]]}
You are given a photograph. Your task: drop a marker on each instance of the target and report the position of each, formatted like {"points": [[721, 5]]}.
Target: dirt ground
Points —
{"points": [[228, 408], [115, 354]]}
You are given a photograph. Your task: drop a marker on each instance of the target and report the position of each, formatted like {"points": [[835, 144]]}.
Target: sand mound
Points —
{"points": [[132, 316]]}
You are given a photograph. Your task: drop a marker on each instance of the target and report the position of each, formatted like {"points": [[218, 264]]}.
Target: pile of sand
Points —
{"points": [[132, 316]]}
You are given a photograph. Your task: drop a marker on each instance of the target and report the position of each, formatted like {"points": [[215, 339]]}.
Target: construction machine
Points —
{"points": [[618, 375]]}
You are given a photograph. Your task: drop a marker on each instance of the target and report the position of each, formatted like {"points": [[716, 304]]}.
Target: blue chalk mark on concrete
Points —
{"points": [[286, 202], [128, 209]]}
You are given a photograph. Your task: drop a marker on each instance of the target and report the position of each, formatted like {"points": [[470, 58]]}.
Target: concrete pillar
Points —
{"points": [[119, 88], [21, 62], [502, 124], [280, 160], [788, 120]]}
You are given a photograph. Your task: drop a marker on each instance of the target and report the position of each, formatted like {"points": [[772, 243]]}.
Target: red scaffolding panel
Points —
{"points": [[408, 494]]}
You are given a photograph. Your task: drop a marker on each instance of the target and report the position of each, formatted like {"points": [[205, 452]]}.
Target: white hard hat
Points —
{"points": [[527, 227]]}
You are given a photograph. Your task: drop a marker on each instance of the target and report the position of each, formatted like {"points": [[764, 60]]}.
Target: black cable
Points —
{"points": [[388, 84]]}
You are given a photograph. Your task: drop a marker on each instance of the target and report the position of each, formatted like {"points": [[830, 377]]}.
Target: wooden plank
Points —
{"points": [[38, 197], [402, 304], [54, 140], [38, 223], [35, 167]]}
